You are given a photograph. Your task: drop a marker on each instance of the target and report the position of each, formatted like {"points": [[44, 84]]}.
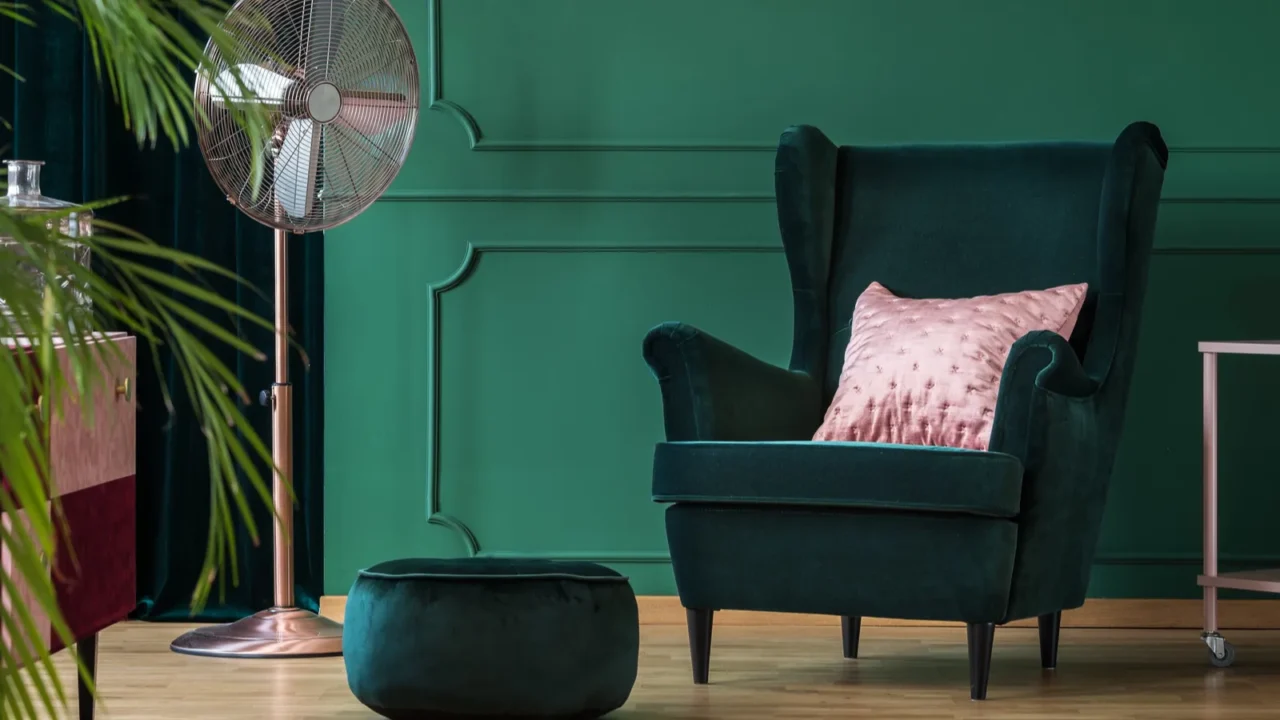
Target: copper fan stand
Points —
{"points": [[283, 630]]}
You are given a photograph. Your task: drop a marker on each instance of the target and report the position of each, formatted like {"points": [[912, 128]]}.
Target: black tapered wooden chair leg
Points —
{"points": [[1050, 628], [851, 629], [700, 643], [87, 648], [981, 635]]}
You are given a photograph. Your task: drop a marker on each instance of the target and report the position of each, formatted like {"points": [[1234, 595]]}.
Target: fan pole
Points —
{"points": [[282, 431], [282, 630]]}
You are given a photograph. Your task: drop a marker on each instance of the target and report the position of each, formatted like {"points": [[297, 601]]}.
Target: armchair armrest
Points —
{"points": [[1041, 363], [1058, 368], [1048, 415], [714, 391]]}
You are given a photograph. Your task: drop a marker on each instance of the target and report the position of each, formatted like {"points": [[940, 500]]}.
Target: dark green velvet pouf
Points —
{"points": [[431, 639]]}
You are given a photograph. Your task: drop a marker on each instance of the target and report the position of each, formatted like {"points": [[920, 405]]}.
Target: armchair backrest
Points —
{"points": [[959, 221], [965, 220]]}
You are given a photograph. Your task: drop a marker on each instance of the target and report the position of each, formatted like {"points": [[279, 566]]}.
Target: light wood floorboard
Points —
{"points": [[763, 672]]}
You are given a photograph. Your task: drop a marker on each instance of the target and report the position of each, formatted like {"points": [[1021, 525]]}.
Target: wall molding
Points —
{"points": [[435, 510], [435, 78], [1220, 201], [593, 196], [575, 196], [436, 514], [479, 142], [1194, 559], [1202, 250]]}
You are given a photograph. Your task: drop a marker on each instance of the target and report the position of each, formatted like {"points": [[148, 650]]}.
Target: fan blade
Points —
{"points": [[326, 25], [341, 167], [295, 172], [373, 113], [266, 86]]}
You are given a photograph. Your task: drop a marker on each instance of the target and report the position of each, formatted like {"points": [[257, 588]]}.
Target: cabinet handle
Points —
{"points": [[124, 389]]}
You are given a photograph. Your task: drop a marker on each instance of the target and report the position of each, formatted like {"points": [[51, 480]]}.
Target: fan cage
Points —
{"points": [[326, 159]]}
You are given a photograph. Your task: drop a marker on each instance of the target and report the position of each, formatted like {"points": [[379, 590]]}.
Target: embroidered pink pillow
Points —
{"points": [[926, 372]]}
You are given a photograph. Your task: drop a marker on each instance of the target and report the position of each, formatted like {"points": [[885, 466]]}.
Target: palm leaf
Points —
{"points": [[143, 52], [138, 298]]}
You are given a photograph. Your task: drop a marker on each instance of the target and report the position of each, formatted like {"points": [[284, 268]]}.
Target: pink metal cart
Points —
{"points": [[1221, 652]]}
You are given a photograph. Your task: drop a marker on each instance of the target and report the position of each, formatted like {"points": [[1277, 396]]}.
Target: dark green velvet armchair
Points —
{"points": [[761, 518]]}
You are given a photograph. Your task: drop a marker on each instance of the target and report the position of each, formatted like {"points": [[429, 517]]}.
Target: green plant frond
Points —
{"points": [[5, 69], [138, 298], [31, 654], [184, 261], [197, 293], [55, 308], [147, 75], [58, 8], [139, 245], [143, 52], [18, 12], [26, 649]]}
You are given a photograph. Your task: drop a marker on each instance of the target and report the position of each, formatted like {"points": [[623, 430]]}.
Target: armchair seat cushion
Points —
{"points": [[870, 476]]}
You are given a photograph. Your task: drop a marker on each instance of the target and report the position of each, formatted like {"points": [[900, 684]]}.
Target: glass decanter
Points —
{"points": [[22, 194]]}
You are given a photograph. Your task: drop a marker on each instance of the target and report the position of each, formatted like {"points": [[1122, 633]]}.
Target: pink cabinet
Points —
{"points": [[93, 462]]}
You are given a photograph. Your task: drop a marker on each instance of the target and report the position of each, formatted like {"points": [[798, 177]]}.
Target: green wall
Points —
{"points": [[590, 168]]}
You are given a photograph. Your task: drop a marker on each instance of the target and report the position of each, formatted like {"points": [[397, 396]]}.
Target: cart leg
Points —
{"points": [[1221, 653], [1210, 470]]}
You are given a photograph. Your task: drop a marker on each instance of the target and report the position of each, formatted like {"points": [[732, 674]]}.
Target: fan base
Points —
{"points": [[273, 633]]}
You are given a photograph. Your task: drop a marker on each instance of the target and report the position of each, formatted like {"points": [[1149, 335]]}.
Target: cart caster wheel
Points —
{"points": [[1226, 659]]}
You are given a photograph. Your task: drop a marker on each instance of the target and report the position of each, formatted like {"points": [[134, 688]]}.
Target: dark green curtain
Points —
{"points": [[61, 113]]}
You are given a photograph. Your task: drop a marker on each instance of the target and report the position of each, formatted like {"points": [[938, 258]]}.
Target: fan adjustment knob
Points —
{"points": [[264, 398]]}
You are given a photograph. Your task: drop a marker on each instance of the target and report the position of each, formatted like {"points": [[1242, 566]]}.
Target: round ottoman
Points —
{"points": [[490, 638]]}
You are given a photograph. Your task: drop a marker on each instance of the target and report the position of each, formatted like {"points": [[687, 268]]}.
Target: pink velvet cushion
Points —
{"points": [[926, 372]]}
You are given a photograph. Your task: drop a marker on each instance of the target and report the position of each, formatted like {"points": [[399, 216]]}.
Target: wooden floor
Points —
{"points": [[765, 672]]}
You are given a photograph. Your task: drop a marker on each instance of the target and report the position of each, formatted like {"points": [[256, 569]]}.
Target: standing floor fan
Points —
{"points": [[340, 81]]}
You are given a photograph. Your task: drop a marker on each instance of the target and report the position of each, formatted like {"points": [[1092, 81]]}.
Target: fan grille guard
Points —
{"points": [[341, 84]]}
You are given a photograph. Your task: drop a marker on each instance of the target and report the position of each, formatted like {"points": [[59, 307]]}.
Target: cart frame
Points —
{"points": [[1221, 652]]}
